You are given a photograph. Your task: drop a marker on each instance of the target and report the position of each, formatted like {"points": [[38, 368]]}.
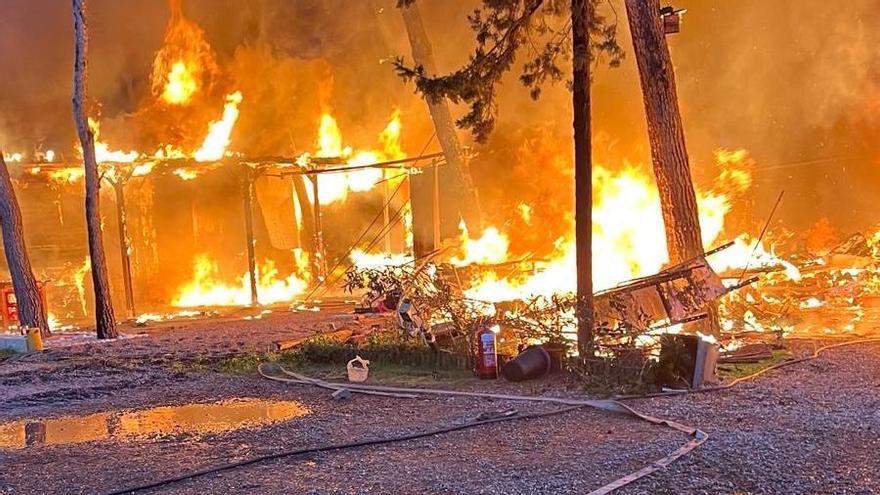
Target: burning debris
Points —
{"points": [[829, 295], [431, 303]]}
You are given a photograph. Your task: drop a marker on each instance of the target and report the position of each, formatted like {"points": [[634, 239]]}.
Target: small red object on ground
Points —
{"points": [[9, 305], [487, 357]]}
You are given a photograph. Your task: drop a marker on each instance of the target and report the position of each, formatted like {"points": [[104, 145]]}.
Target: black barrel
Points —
{"points": [[534, 362]]}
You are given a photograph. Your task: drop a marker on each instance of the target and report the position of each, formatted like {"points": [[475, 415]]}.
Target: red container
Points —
{"points": [[9, 305], [487, 356]]}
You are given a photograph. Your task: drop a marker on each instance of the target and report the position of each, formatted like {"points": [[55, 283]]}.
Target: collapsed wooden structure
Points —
{"points": [[118, 174]]}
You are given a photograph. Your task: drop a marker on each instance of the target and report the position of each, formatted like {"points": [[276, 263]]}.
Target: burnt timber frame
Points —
{"points": [[253, 168]]}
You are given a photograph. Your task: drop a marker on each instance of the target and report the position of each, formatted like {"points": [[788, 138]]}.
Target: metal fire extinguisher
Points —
{"points": [[487, 357]]}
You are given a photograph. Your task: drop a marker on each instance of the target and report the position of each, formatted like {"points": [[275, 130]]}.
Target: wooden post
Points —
{"points": [[31, 308], [435, 208], [124, 245], [386, 211], [248, 190], [320, 261], [105, 319], [581, 13], [308, 218], [421, 193]]}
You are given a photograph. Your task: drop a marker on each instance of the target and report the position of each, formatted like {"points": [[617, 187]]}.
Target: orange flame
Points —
{"points": [[214, 146], [207, 288], [336, 186], [185, 64]]}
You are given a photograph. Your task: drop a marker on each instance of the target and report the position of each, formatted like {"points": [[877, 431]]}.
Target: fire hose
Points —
{"points": [[479, 421], [698, 437]]}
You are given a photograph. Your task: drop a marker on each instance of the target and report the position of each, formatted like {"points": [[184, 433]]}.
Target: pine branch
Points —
{"points": [[502, 28]]}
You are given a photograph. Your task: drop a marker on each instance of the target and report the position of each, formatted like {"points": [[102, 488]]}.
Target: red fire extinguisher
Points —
{"points": [[487, 358]]}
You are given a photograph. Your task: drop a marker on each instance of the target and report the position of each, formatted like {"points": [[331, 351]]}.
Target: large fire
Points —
{"points": [[208, 287], [185, 64], [628, 231], [333, 187], [628, 239]]}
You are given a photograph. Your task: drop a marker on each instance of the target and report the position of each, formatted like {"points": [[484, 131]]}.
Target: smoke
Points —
{"points": [[791, 81], [796, 83]]}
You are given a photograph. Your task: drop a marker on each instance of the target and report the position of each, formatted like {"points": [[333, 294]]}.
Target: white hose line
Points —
{"points": [[698, 436]]}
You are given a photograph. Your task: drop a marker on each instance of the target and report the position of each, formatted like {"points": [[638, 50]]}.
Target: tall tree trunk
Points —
{"points": [[455, 178], [31, 311], [665, 131], [105, 319], [581, 13], [672, 171]]}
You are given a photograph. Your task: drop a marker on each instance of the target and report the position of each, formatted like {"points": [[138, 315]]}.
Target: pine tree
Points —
{"points": [[504, 28], [31, 310], [105, 319]]}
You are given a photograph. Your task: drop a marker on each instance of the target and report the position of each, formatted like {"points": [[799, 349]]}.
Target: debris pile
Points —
{"points": [[829, 295], [432, 304]]}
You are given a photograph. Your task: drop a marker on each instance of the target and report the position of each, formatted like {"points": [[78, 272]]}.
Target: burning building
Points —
{"points": [[248, 156]]}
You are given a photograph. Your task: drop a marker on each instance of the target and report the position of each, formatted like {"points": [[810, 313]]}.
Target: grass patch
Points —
{"points": [[245, 364], [728, 372], [235, 365]]}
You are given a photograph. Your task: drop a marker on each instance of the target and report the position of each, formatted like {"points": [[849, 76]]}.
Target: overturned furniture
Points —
{"points": [[641, 311]]}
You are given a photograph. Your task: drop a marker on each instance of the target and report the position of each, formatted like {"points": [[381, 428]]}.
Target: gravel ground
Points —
{"points": [[813, 427], [809, 428], [571, 452]]}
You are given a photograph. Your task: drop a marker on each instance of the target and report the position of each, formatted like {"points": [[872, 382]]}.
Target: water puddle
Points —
{"points": [[155, 422]]}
